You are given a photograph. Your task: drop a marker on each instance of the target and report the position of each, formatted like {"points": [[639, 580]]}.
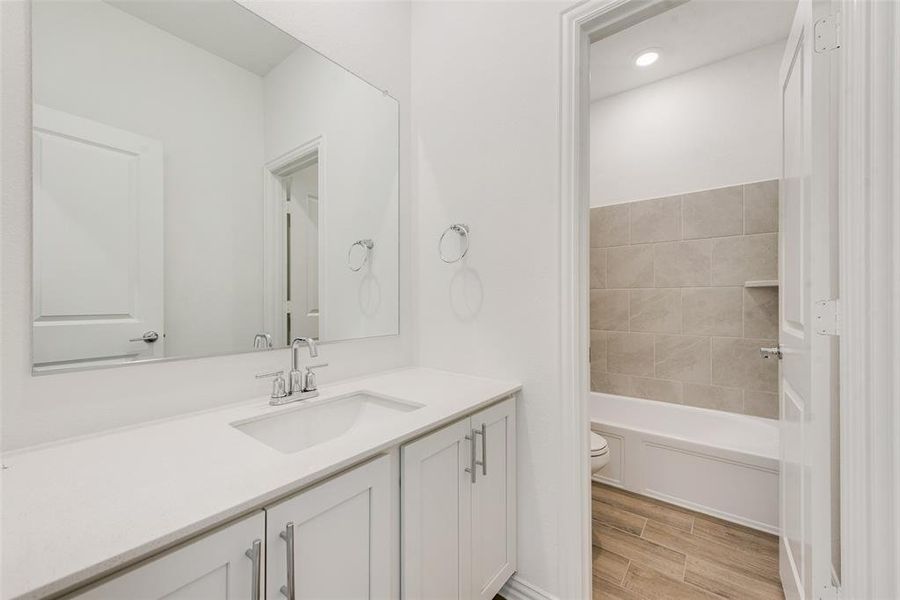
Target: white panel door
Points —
{"points": [[436, 515], [341, 537], [302, 252], [98, 241], [224, 565], [494, 499], [794, 292], [809, 383]]}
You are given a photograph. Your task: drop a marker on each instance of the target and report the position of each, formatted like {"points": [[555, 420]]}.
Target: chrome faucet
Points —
{"points": [[299, 385], [295, 378]]}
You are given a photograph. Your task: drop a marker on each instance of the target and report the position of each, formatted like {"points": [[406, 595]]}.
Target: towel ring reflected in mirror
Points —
{"points": [[462, 230], [367, 246]]}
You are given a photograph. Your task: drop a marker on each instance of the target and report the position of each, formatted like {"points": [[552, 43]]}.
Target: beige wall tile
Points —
{"points": [[761, 312], [598, 268], [682, 357], [670, 317], [609, 226], [657, 220], [761, 207], [629, 353], [736, 260], [657, 310], [761, 404], [712, 311], [715, 397], [610, 383], [656, 389], [713, 213], [609, 310], [682, 264], [598, 350], [629, 267], [737, 363]]}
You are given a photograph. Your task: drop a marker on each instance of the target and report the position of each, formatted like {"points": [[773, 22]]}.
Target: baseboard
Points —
{"points": [[517, 589]]}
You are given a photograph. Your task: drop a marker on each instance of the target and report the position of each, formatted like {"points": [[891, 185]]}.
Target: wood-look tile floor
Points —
{"points": [[646, 549]]}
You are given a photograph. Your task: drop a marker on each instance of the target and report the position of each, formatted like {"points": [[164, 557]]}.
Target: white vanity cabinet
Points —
{"points": [[433, 519], [458, 489], [224, 565], [336, 539]]}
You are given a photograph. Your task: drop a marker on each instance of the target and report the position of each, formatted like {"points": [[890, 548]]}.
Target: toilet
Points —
{"points": [[599, 452]]}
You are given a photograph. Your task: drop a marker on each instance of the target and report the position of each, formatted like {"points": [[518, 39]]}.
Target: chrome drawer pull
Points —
{"points": [[483, 462], [471, 468], [253, 554], [288, 536]]}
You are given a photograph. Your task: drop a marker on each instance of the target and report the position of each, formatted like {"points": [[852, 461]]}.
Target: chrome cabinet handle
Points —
{"points": [[483, 433], [471, 468], [253, 554], [288, 536], [149, 337]]}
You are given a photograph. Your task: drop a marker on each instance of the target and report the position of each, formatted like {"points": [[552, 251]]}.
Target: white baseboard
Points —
{"points": [[517, 589]]}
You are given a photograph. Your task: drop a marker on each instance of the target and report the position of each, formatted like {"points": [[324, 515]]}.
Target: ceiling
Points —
{"points": [[688, 36], [223, 28]]}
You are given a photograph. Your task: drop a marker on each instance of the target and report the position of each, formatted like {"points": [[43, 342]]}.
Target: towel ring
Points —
{"points": [[463, 231], [367, 245]]}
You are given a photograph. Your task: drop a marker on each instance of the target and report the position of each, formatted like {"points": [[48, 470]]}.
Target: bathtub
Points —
{"points": [[718, 463]]}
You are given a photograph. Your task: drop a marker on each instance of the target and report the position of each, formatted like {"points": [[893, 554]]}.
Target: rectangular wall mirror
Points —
{"points": [[204, 184]]}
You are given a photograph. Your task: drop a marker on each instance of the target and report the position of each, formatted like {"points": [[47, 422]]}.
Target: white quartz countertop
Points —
{"points": [[74, 510]]}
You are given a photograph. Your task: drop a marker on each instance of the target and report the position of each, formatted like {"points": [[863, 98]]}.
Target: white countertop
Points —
{"points": [[74, 510]]}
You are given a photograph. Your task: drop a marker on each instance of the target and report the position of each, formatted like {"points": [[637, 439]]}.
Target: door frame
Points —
{"points": [[869, 309], [869, 212], [274, 280], [579, 25]]}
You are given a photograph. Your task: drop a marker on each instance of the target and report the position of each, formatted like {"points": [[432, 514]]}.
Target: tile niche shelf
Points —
{"points": [[761, 283]]}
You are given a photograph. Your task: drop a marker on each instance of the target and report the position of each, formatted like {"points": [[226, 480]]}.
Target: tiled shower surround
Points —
{"points": [[672, 317]]}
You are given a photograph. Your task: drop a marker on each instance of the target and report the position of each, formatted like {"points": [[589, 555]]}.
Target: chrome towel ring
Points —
{"points": [[367, 246], [462, 230]]}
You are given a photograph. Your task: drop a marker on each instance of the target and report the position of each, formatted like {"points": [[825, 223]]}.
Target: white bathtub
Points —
{"points": [[718, 463]]}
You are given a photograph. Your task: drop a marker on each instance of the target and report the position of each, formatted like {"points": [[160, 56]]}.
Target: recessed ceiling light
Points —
{"points": [[646, 58]]}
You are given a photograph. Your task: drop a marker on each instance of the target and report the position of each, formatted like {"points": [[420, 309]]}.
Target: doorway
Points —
{"points": [[812, 248], [301, 268], [294, 220]]}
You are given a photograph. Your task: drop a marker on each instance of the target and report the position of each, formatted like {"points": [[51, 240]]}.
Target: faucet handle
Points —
{"points": [[309, 377], [278, 390]]}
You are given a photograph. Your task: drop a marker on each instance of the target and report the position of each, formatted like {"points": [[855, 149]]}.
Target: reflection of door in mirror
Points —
{"points": [[302, 255], [98, 272]]}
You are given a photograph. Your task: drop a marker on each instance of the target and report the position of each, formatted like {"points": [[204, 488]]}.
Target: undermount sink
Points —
{"points": [[307, 425]]}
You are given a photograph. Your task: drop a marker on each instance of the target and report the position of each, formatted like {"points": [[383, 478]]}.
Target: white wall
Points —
{"points": [[486, 138], [371, 39], [359, 193], [711, 127], [95, 61]]}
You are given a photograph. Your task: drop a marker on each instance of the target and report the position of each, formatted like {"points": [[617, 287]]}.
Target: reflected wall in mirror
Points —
{"points": [[201, 181]]}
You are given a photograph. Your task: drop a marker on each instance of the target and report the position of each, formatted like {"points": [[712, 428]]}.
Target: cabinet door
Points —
{"points": [[215, 567], [494, 499], [436, 515], [340, 533]]}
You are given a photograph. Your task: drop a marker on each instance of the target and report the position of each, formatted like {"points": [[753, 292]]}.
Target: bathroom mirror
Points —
{"points": [[204, 184]]}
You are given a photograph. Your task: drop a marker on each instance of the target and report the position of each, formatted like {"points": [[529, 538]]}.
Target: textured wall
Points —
{"points": [[671, 316]]}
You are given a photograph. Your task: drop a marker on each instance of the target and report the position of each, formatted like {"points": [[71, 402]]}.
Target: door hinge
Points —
{"points": [[827, 33], [827, 317]]}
